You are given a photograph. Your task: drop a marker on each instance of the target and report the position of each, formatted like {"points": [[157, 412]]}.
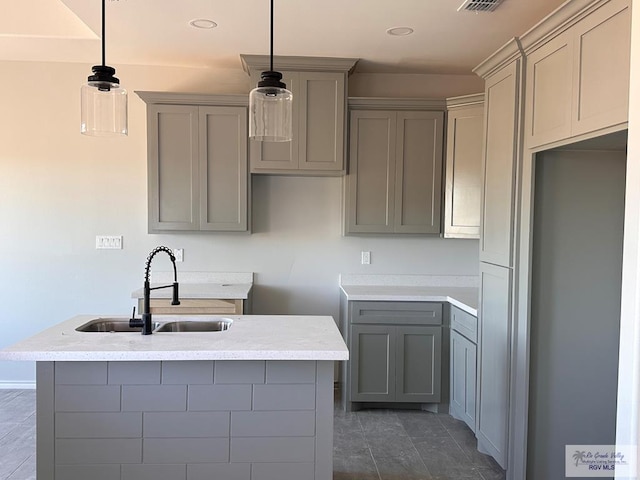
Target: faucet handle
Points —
{"points": [[133, 321], [175, 300]]}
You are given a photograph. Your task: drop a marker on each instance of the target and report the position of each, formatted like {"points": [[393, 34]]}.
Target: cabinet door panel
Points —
{"points": [[463, 379], [418, 369], [372, 363], [549, 80], [321, 115], [601, 68], [499, 159], [173, 167], [223, 168], [495, 360], [418, 172], [371, 179], [278, 155], [463, 173]]}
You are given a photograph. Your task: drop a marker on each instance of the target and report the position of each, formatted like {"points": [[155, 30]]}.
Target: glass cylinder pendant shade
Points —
{"points": [[271, 110], [103, 104]]}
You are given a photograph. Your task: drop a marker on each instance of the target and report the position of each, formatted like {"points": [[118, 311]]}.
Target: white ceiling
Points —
{"points": [[157, 32]]}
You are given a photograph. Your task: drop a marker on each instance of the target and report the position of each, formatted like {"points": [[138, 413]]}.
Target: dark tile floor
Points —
{"points": [[407, 445], [368, 445], [17, 435]]}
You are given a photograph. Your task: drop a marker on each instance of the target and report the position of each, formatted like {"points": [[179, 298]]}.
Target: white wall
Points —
{"points": [[59, 189]]}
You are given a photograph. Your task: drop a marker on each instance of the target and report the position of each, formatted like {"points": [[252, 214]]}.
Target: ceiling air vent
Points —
{"points": [[479, 5]]}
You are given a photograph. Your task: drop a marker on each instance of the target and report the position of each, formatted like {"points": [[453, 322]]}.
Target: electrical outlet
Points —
{"points": [[365, 258], [108, 242], [179, 254]]}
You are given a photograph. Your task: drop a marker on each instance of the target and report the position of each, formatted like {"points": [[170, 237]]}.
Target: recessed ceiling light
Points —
{"points": [[400, 31], [203, 23]]}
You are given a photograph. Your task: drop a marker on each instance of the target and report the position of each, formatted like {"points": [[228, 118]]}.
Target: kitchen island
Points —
{"points": [[254, 402]]}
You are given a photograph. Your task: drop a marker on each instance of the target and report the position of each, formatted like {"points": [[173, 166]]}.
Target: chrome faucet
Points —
{"points": [[145, 321]]}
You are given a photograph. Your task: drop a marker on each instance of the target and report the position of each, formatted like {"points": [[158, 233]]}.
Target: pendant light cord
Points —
{"points": [[103, 32], [271, 55]]}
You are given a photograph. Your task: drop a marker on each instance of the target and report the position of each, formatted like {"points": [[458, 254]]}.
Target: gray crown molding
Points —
{"points": [[171, 98], [561, 19], [465, 100], [260, 63], [510, 51], [375, 103]]}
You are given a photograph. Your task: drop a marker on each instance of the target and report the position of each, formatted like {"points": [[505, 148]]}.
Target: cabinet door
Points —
{"points": [[321, 115], [371, 180], [601, 68], [372, 363], [418, 364], [502, 96], [223, 168], [418, 190], [549, 83], [494, 361], [172, 149], [463, 172], [463, 379], [278, 156]]}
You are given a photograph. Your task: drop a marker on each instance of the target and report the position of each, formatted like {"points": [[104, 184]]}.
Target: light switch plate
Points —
{"points": [[179, 254], [365, 258], [109, 242]]}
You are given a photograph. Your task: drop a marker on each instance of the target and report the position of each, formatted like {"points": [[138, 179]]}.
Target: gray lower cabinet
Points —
{"points": [[463, 364], [394, 182], [197, 162], [396, 350]]}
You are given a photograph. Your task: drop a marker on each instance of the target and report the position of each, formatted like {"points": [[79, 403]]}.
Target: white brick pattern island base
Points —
{"points": [[185, 420]]}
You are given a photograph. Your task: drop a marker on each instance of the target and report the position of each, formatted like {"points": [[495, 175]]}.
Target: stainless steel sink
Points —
{"points": [[216, 325], [113, 325], [108, 325]]}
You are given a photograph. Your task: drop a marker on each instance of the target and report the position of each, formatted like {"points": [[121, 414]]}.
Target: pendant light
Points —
{"points": [[103, 102], [270, 105]]}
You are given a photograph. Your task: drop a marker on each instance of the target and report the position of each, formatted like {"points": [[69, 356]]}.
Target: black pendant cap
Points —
{"points": [[103, 76], [271, 79]]}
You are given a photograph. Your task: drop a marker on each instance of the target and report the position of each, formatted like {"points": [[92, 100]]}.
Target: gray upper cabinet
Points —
{"points": [[197, 162], [499, 166], [578, 80], [549, 91], [319, 89], [394, 184], [463, 169], [499, 162]]}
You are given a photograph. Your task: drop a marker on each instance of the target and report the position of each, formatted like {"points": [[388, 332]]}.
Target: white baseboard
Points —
{"points": [[17, 385]]}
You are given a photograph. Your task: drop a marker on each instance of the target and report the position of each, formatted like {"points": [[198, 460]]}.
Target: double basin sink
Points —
{"points": [[115, 325]]}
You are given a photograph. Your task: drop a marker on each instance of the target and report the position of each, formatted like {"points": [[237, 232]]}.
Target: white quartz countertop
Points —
{"points": [[234, 291], [465, 298], [251, 337]]}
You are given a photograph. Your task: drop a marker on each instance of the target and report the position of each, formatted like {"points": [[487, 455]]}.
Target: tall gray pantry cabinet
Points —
{"points": [[502, 147]]}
